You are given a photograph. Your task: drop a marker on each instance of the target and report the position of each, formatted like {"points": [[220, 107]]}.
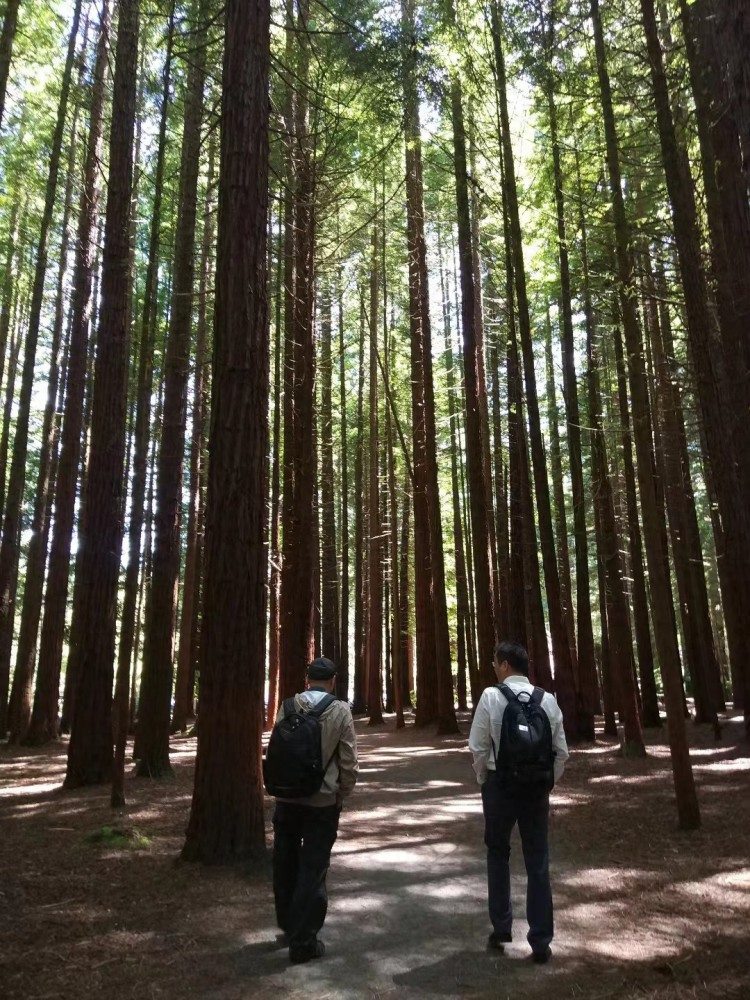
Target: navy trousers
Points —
{"points": [[303, 838], [501, 813]]}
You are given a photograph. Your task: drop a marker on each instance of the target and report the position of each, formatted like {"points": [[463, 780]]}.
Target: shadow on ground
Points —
{"points": [[642, 910]]}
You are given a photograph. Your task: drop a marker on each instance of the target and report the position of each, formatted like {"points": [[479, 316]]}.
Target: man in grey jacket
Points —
{"points": [[305, 829]]}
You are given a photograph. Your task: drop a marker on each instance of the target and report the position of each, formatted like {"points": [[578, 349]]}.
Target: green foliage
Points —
{"points": [[119, 838]]}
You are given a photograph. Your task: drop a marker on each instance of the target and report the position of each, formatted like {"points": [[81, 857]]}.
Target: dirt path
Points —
{"points": [[641, 909]]}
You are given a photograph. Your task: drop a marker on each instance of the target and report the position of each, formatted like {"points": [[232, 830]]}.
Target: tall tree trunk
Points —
{"points": [[577, 723], [727, 210], [394, 623], [666, 641], [226, 817], [359, 693], [732, 26], [403, 616], [183, 698], [11, 530], [274, 576], [710, 379], [475, 208], [696, 624], [558, 493], [7, 37], [529, 584], [475, 432], [585, 635], [90, 749], [330, 637], [464, 624], [342, 682], [299, 554], [709, 657], [639, 598], [144, 390], [19, 711], [161, 601], [618, 678], [444, 707], [6, 305], [374, 639]]}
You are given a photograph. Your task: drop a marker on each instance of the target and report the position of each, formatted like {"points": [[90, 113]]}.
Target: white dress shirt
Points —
{"points": [[488, 720]]}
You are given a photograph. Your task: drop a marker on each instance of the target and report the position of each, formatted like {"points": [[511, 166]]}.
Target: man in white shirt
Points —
{"points": [[514, 792]]}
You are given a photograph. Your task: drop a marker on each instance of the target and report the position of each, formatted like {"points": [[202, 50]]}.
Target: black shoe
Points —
{"points": [[542, 957], [496, 940], [299, 955]]}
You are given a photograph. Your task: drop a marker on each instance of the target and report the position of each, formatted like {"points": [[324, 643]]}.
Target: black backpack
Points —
{"points": [[524, 761], [293, 765]]}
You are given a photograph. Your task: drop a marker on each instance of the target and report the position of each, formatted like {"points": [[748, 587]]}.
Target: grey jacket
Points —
{"points": [[339, 746]]}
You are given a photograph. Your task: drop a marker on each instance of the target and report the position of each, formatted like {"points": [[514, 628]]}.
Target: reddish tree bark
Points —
{"points": [[19, 712], [226, 817], [710, 376], [184, 681], [687, 801], [486, 613], [11, 528], [300, 557], [161, 601], [91, 659], [576, 724], [374, 639]]}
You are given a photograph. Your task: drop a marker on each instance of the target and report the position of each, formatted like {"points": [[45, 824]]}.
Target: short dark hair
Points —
{"points": [[515, 655], [321, 669]]}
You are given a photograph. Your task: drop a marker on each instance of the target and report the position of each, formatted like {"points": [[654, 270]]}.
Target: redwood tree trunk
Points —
{"points": [[184, 682], [474, 430], [577, 723], [19, 713], [330, 639], [710, 377], [342, 681], [419, 308], [161, 601], [11, 529], [374, 640], [226, 817], [91, 660], [585, 634], [666, 643], [142, 436], [359, 694], [7, 37], [44, 716]]}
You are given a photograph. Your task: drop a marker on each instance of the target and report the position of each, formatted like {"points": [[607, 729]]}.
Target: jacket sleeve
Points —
{"points": [[347, 755], [480, 739], [559, 743]]}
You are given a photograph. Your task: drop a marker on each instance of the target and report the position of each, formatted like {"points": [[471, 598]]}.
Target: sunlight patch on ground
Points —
{"points": [[607, 878], [628, 779], [32, 788], [736, 764], [733, 887]]}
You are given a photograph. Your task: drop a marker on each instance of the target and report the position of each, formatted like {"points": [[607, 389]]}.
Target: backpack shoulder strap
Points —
{"points": [[537, 695], [322, 705], [506, 691], [288, 706]]}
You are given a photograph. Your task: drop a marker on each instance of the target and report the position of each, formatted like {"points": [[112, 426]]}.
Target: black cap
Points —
{"points": [[321, 669]]}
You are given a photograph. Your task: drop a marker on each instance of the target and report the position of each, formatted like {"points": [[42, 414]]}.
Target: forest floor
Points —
{"points": [[642, 910]]}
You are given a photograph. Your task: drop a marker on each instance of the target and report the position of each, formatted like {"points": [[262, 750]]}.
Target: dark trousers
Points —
{"points": [[501, 813], [303, 838]]}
